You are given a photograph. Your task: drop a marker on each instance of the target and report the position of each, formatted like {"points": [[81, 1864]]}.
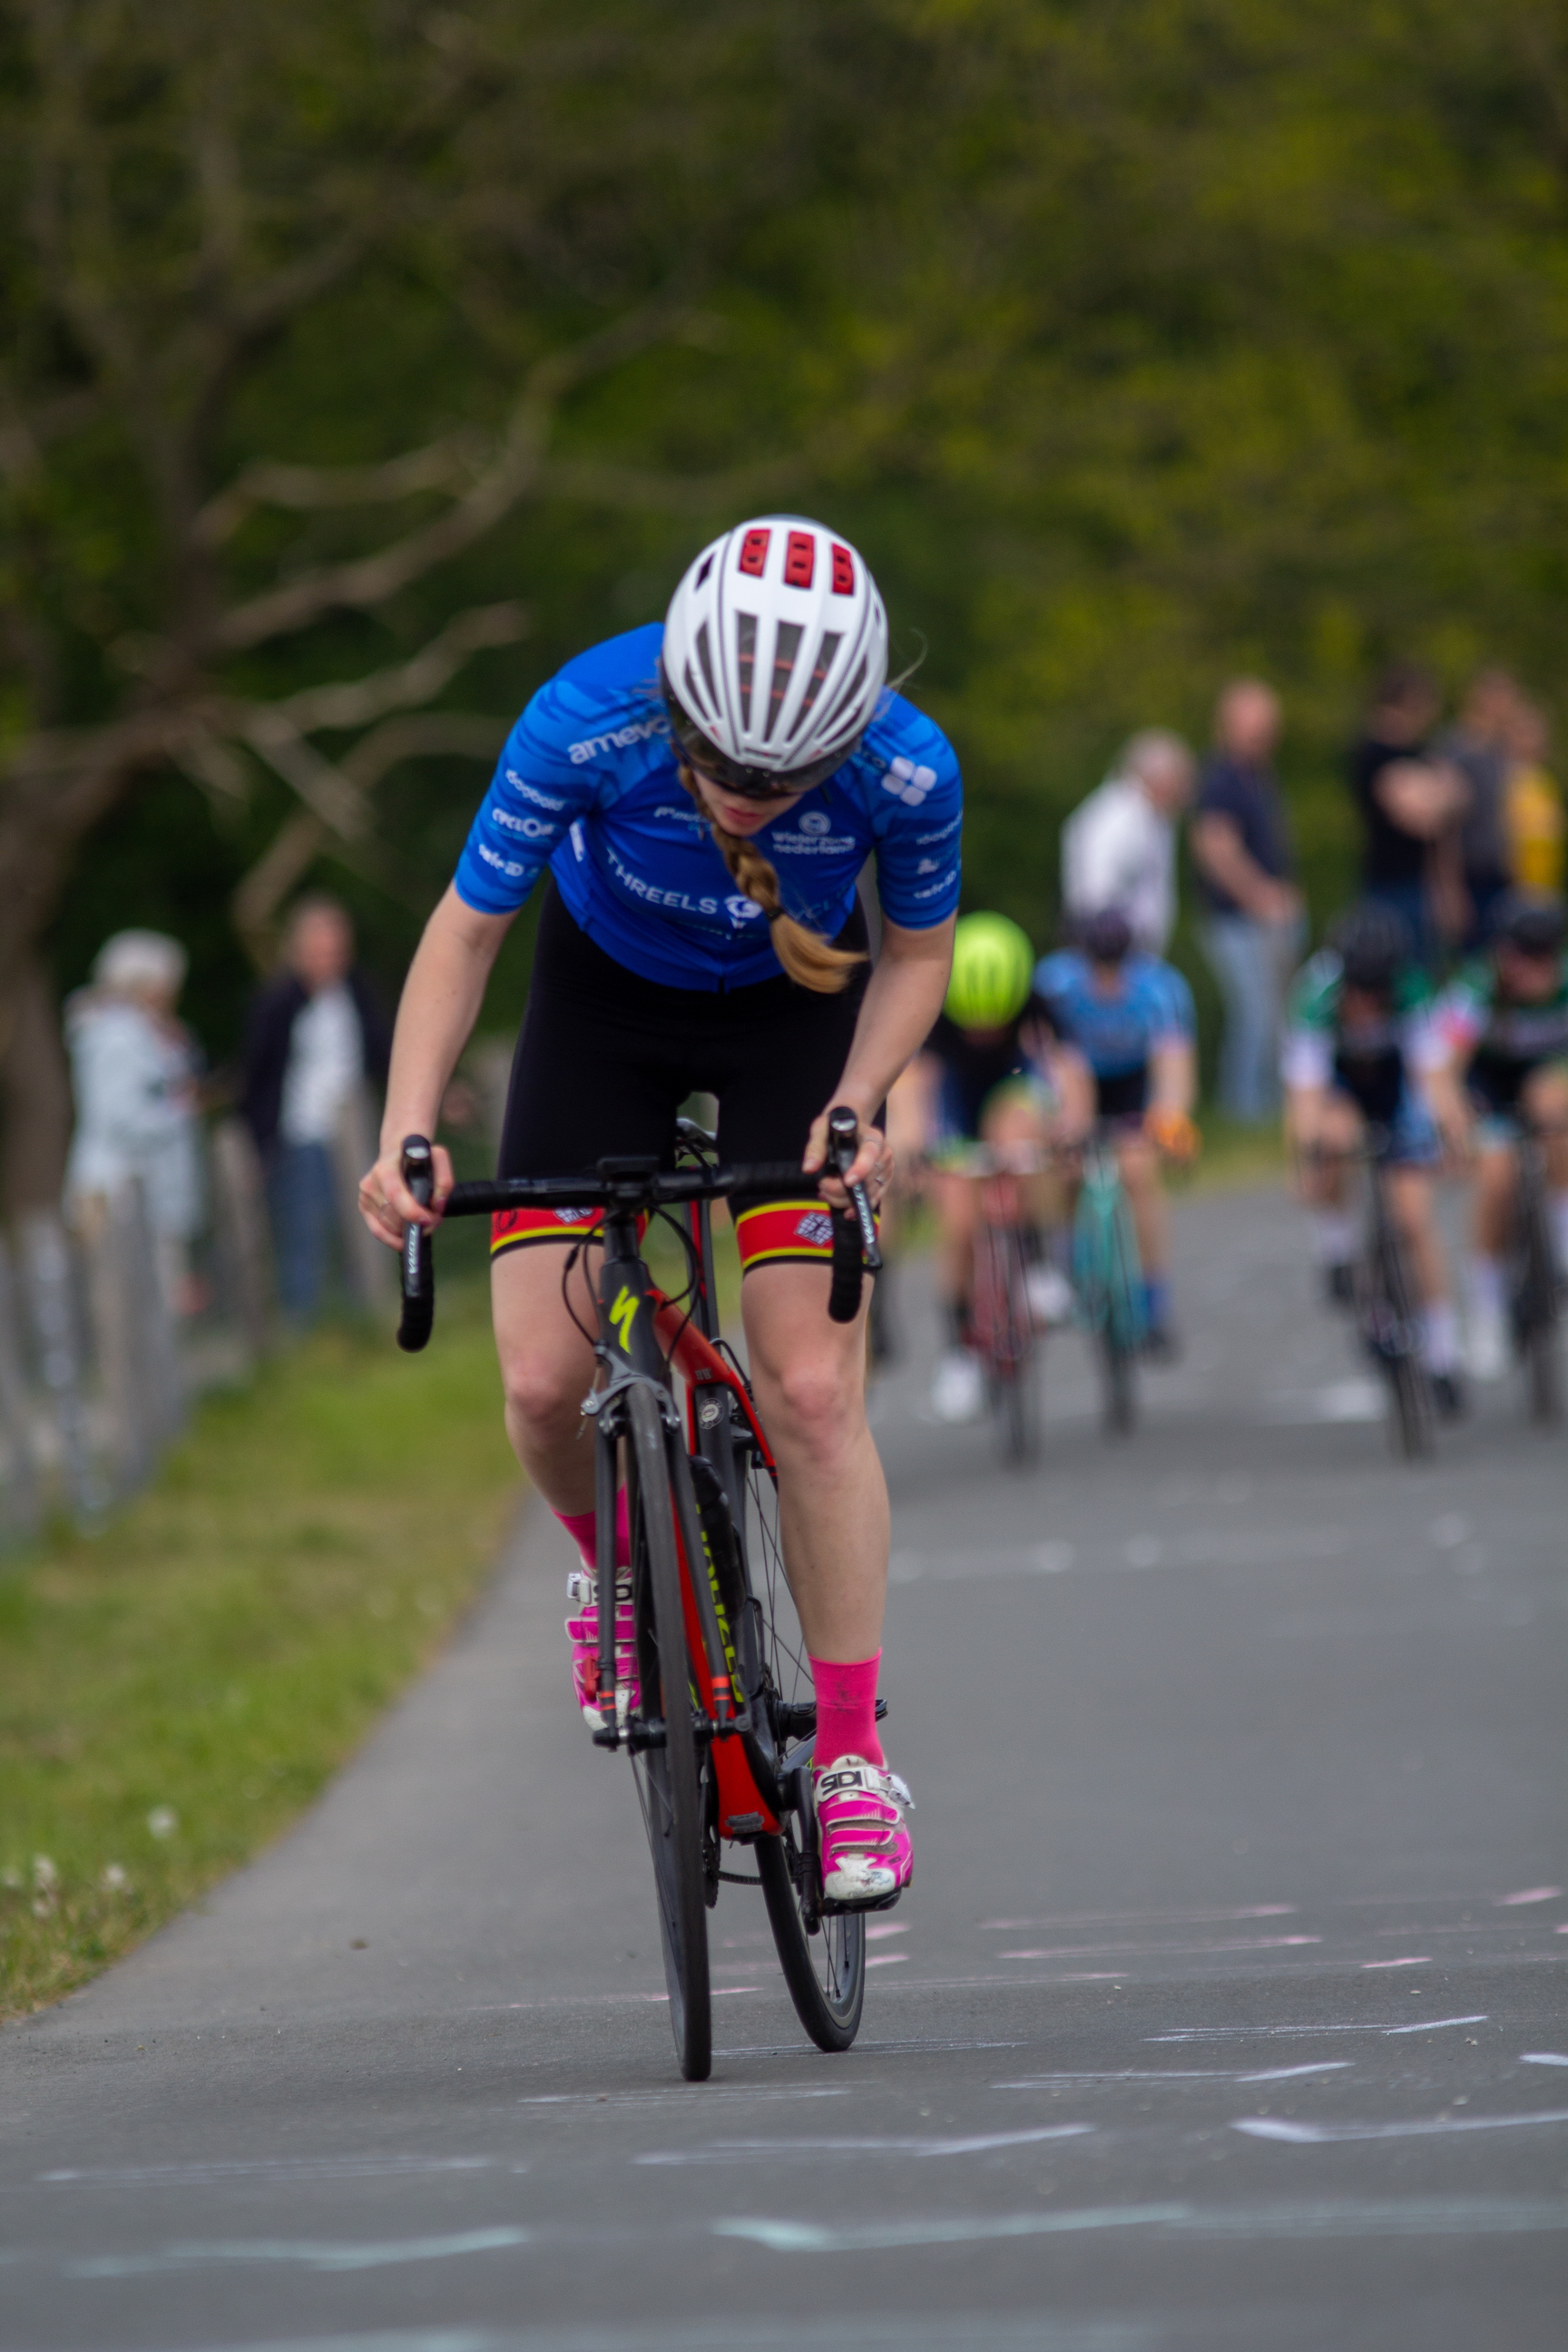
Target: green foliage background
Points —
{"points": [[1136, 342]]}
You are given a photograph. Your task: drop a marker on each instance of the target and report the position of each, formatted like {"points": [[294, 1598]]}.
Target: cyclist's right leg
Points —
{"points": [[957, 1391], [1496, 1186], [1336, 1129]]}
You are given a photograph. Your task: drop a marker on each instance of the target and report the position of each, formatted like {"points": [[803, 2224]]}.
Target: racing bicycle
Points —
{"points": [[721, 1740], [1108, 1276], [1533, 1277], [1387, 1319]]}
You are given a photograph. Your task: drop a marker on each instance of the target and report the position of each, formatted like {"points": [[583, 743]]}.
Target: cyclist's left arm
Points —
{"points": [[1172, 1046], [903, 999]]}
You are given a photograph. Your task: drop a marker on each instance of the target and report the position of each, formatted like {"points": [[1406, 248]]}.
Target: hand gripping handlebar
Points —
{"points": [[417, 1270], [854, 1234], [635, 1182]]}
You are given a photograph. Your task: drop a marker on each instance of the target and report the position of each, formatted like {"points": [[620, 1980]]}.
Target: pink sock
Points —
{"points": [[846, 1711], [580, 1526]]}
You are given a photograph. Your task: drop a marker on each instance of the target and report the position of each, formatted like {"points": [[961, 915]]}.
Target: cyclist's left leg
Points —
{"points": [[809, 1375], [1140, 1165], [1412, 1204], [1545, 1098]]}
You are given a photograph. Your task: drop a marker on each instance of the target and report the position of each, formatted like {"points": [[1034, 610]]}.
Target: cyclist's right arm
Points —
{"points": [[441, 1001]]}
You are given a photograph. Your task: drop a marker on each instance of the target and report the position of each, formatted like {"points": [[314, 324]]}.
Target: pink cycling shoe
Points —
{"points": [[582, 1632], [867, 1857]]}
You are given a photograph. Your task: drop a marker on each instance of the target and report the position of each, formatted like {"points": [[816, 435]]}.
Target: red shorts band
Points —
{"points": [[518, 1228], [786, 1232]]}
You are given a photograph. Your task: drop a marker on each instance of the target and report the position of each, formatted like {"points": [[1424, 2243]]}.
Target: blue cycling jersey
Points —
{"points": [[587, 785], [1153, 1005]]}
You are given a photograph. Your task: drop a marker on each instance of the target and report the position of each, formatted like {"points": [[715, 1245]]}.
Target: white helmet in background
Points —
{"points": [[775, 655]]}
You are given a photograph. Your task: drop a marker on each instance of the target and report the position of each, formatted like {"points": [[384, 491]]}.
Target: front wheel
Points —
{"points": [[823, 1960], [669, 1778]]}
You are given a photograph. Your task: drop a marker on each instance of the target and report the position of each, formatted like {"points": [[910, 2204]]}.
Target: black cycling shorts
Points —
{"points": [[606, 1059], [1125, 1095]]}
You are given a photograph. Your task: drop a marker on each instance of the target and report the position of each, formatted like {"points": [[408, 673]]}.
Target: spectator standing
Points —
{"points": [[1118, 847], [316, 1035], [134, 1068], [1533, 823], [1476, 745], [1253, 929], [1408, 801]]}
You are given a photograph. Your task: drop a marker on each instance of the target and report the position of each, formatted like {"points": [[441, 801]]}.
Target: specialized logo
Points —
{"points": [[908, 783], [618, 738], [575, 1216], [623, 1315], [816, 1226]]}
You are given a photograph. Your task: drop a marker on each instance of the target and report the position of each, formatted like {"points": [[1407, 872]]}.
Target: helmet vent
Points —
{"points": [[849, 695], [705, 656], [799, 559], [755, 554], [819, 669], [843, 569], [786, 646], [703, 569], [746, 659]]}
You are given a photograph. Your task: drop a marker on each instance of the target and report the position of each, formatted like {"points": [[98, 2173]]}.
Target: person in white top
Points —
{"points": [[1118, 847], [134, 1076]]}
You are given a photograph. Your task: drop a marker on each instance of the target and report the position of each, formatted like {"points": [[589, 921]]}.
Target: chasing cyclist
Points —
{"points": [[704, 795], [1501, 1027], [1131, 1017], [1357, 1039], [994, 1071]]}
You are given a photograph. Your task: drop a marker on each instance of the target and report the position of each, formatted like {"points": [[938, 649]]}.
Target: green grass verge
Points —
{"points": [[174, 1690]]}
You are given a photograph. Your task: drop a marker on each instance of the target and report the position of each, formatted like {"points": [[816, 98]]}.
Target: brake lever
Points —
{"points": [[844, 1142]]}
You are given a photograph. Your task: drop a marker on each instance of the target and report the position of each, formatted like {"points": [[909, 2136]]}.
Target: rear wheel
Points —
{"points": [[823, 1960], [1003, 1325], [1535, 1313], [1392, 1335], [669, 1778]]}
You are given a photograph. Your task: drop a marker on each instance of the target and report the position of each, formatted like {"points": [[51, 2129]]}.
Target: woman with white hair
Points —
{"points": [[133, 1071]]}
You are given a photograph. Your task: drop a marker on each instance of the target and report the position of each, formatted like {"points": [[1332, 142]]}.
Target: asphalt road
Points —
{"points": [[1226, 2010]]}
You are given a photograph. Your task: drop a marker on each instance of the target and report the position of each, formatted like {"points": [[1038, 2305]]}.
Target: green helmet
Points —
{"points": [[992, 966]]}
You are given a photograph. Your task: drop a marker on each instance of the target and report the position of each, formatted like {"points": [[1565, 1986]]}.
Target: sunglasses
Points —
{"points": [[749, 783]]}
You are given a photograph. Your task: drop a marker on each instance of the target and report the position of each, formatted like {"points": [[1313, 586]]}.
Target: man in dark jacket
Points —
{"points": [[316, 1035]]}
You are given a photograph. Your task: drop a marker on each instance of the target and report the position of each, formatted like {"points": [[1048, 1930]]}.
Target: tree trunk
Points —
{"points": [[35, 1114]]}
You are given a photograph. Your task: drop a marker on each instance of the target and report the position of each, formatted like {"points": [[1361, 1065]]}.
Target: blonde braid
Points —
{"points": [[805, 955]]}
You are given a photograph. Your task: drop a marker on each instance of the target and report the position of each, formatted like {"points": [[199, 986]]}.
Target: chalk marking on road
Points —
{"points": [[1154, 1951], [1178, 2074], [683, 2098], [985, 2331], [886, 1959], [1340, 1401], [1419, 2217], [1528, 1895], [216, 2170], [1357, 2026], [1304, 2135], [898, 2048], [1405, 1961], [720, 2151], [881, 1927], [1542, 2058], [311, 2253]]}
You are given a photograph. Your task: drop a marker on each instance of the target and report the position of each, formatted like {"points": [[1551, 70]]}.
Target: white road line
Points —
{"points": [[199, 2174], [1257, 2032], [309, 2253], [1421, 2216], [1177, 2074], [722, 2151], [1542, 2058], [1157, 1951], [1304, 2135]]}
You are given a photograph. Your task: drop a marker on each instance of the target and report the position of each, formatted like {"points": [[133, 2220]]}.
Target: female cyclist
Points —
{"points": [[704, 796]]}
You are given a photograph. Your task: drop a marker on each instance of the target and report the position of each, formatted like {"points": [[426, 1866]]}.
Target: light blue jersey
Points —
{"points": [[587, 785], [1153, 1005]]}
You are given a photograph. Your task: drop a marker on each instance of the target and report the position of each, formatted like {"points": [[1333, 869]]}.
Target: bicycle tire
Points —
{"points": [[824, 1965], [1535, 1315], [1411, 1421], [822, 1960], [1004, 1327], [670, 1780]]}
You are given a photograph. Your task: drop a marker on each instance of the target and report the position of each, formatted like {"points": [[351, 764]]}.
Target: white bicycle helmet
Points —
{"points": [[775, 654]]}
